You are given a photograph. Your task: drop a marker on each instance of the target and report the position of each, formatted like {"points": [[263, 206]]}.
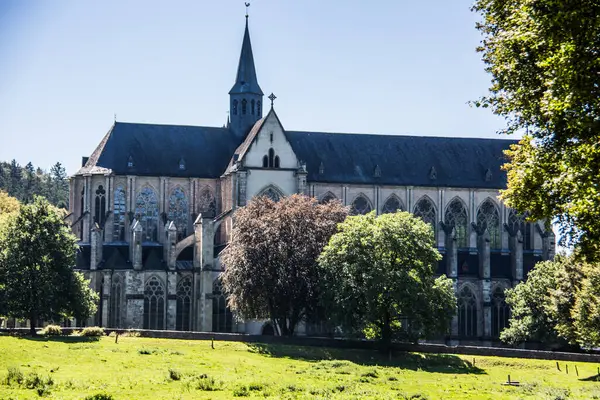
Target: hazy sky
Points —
{"points": [[386, 66]]}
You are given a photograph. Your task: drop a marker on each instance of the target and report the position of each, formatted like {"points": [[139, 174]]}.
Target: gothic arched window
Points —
{"points": [[456, 215], [258, 108], [500, 312], [517, 222], [178, 212], [222, 319], [271, 193], [235, 107], [327, 198], [425, 210], [154, 304], [116, 302], [146, 210], [276, 163], [184, 305], [100, 206], [266, 161], [206, 203], [467, 313], [360, 205], [391, 205], [119, 214], [488, 214], [244, 106], [252, 106]]}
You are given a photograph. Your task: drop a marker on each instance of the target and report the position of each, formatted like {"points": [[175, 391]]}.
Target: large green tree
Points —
{"points": [[37, 256], [379, 278], [543, 56], [270, 263]]}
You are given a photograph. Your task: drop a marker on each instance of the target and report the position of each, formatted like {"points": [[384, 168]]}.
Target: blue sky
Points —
{"points": [[391, 66]]}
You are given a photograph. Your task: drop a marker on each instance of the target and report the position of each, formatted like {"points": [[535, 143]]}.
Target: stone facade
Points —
{"points": [[150, 242]]}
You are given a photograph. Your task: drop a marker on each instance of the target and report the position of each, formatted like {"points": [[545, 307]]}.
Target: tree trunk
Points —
{"points": [[32, 323], [386, 333]]}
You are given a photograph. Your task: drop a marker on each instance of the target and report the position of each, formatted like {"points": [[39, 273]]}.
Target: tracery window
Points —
{"points": [[100, 206], [517, 221], [235, 107], [327, 198], [146, 210], [184, 305], [258, 108], [154, 304], [456, 215], [244, 106], [500, 312], [467, 313], [488, 214], [222, 320], [116, 302], [206, 202], [178, 212], [271, 193], [391, 205], [425, 210], [360, 206], [252, 106], [119, 214]]}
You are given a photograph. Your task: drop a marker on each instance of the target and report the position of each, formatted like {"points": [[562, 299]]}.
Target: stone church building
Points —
{"points": [[153, 207]]}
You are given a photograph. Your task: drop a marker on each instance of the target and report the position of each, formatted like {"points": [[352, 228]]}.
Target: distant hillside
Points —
{"points": [[26, 182]]}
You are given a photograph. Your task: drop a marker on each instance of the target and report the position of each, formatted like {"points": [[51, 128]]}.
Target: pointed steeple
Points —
{"points": [[246, 80]]}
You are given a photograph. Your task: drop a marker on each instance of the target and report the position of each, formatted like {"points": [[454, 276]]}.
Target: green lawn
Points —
{"points": [[141, 368]]}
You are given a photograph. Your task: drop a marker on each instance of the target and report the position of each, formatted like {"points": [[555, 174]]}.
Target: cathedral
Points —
{"points": [[153, 207]]}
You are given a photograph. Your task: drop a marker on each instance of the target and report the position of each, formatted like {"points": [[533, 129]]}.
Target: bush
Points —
{"points": [[92, 331], [207, 384], [100, 396], [51, 330], [14, 375], [241, 391], [174, 374]]}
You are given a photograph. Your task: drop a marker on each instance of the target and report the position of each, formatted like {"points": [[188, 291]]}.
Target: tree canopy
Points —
{"points": [[543, 56], [379, 278], [270, 263], [37, 256]]}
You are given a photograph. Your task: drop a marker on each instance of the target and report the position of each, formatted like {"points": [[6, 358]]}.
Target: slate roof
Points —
{"points": [[401, 160], [156, 150]]}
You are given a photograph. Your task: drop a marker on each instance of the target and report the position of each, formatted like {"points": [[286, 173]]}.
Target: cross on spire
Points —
{"points": [[272, 97], [247, 5]]}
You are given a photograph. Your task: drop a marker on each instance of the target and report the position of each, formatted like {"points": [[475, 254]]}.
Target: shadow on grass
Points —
{"points": [[61, 339], [441, 363], [593, 378]]}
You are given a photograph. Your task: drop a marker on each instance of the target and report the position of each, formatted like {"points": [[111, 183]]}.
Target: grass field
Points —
{"points": [[142, 368]]}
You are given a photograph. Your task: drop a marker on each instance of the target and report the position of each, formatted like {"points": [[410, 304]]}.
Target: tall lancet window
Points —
{"points": [[235, 107], [258, 108], [488, 214], [252, 106], [100, 206], [467, 313], [184, 305], [244, 106], [425, 210], [119, 214], [146, 211], [456, 215], [178, 212], [154, 304]]}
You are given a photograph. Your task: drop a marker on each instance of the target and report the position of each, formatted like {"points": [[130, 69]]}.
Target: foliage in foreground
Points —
{"points": [[379, 278], [559, 304], [37, 280], [270, 263], [543, 59], [274, 371]]}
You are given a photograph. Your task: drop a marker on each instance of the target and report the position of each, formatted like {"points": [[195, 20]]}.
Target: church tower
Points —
{"points": [[245, 97]]}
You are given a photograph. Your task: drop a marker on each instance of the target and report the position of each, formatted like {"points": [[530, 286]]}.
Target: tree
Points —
{"points": [[541, 307], [37, 255], [270, 263], [379, 278], [544, 60], [586, 310]]}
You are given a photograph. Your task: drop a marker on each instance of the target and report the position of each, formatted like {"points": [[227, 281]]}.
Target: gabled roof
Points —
{"points": [[157, 150], [401, 160], [246, 80]]}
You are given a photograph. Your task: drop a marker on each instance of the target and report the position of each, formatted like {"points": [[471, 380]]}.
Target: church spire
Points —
{"points": [[246, 96], [246, 80]]}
